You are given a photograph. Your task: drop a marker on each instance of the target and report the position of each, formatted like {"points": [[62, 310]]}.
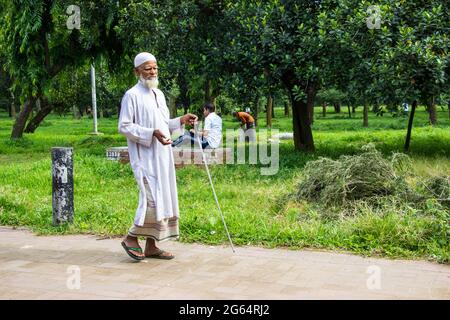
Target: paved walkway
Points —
{"points": [[38, 267]]}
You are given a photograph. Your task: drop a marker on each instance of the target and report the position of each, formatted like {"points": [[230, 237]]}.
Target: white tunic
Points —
{"points": [[142, 111], [213, 124]]}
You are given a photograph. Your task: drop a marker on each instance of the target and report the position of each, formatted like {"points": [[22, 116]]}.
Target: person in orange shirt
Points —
{"points": [[245, 118]]}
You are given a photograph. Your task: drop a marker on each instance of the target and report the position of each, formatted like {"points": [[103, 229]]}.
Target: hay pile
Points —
{"points": [[363, 176], [439, 188]]}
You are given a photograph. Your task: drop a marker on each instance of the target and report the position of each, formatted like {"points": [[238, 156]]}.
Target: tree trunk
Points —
{"points": [[366, 115], [286, 109], [378, 110], [410, 124], [119, 107], [349, 111], [37, 107], [76, 113], [256, 108], [273, 107], [310, 96], [183, 98], [303, 138], [172, 106], [12, 106], [324, 109], [208, 91], [337, 107], [432, 112], [353, 108], [32, 125], [269, 111], [19, 124], [448, 106]]}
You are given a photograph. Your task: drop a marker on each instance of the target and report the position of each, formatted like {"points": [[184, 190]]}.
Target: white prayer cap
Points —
{"points": [[142, 58]]}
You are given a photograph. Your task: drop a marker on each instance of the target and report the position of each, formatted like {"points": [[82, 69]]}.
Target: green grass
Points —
{"points": [[255, 206]]}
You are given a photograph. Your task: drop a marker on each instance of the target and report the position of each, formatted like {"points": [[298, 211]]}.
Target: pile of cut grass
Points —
{"points": [[357, 177], [438, 187]]}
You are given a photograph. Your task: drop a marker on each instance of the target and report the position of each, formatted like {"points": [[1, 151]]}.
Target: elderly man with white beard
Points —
{"points": [[144, 120]]}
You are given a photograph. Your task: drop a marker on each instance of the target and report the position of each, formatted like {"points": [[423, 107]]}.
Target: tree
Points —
{"points": [[415, 62], [7, 100], [282, 39], [331, 96], [406, 58], [356, 46], [186, 37], [38, 45]]}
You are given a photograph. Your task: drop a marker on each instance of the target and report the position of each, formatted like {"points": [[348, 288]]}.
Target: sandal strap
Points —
{"points": [[135, 249]]}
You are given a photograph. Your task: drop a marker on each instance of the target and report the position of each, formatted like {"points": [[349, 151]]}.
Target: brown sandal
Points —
{"points": [[160, 255], [130, 249]]}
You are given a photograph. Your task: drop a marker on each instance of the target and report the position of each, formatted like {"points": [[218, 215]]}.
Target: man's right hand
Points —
{"points": [[188, 118], [161, 137]]}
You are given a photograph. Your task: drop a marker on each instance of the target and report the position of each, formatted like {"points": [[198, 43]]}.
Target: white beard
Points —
{"points": [[151, 83]]}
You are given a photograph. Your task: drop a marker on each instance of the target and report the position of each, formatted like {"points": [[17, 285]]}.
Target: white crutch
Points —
{"points": [[211, 183]]}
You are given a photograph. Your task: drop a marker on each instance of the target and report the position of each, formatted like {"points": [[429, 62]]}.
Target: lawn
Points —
{"points": [[257, 208]]}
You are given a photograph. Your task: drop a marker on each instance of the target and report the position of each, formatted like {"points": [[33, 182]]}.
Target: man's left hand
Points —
{"points": [[188, 118]]}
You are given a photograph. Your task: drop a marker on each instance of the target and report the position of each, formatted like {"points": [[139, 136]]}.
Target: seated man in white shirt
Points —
{"points": [[211, 135]]}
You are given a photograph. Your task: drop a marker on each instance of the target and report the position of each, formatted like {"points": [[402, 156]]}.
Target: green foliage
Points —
{"points": [[330, 96], [406, 59], [37, 44], [187, 39], [237, 50], [70, 90]]}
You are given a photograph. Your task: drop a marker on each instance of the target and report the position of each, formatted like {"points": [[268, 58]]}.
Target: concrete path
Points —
{"points": [[83, 267]]}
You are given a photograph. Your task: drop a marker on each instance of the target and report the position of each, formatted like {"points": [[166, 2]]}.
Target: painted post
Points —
{"points": [[62, 185], [410, 124], [94, 98]]}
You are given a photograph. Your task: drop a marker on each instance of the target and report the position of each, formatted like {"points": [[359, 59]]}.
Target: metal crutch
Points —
{"points": [[212, 186]]}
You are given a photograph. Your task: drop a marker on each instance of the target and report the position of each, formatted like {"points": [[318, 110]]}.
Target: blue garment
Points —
{"points": [[190, 136]]}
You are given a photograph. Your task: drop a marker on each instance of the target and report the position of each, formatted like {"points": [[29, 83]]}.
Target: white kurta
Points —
{"points": [[142, 111]]}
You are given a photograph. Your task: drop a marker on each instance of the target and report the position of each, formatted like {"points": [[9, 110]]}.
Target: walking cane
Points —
{"points": [[212, 186]]}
